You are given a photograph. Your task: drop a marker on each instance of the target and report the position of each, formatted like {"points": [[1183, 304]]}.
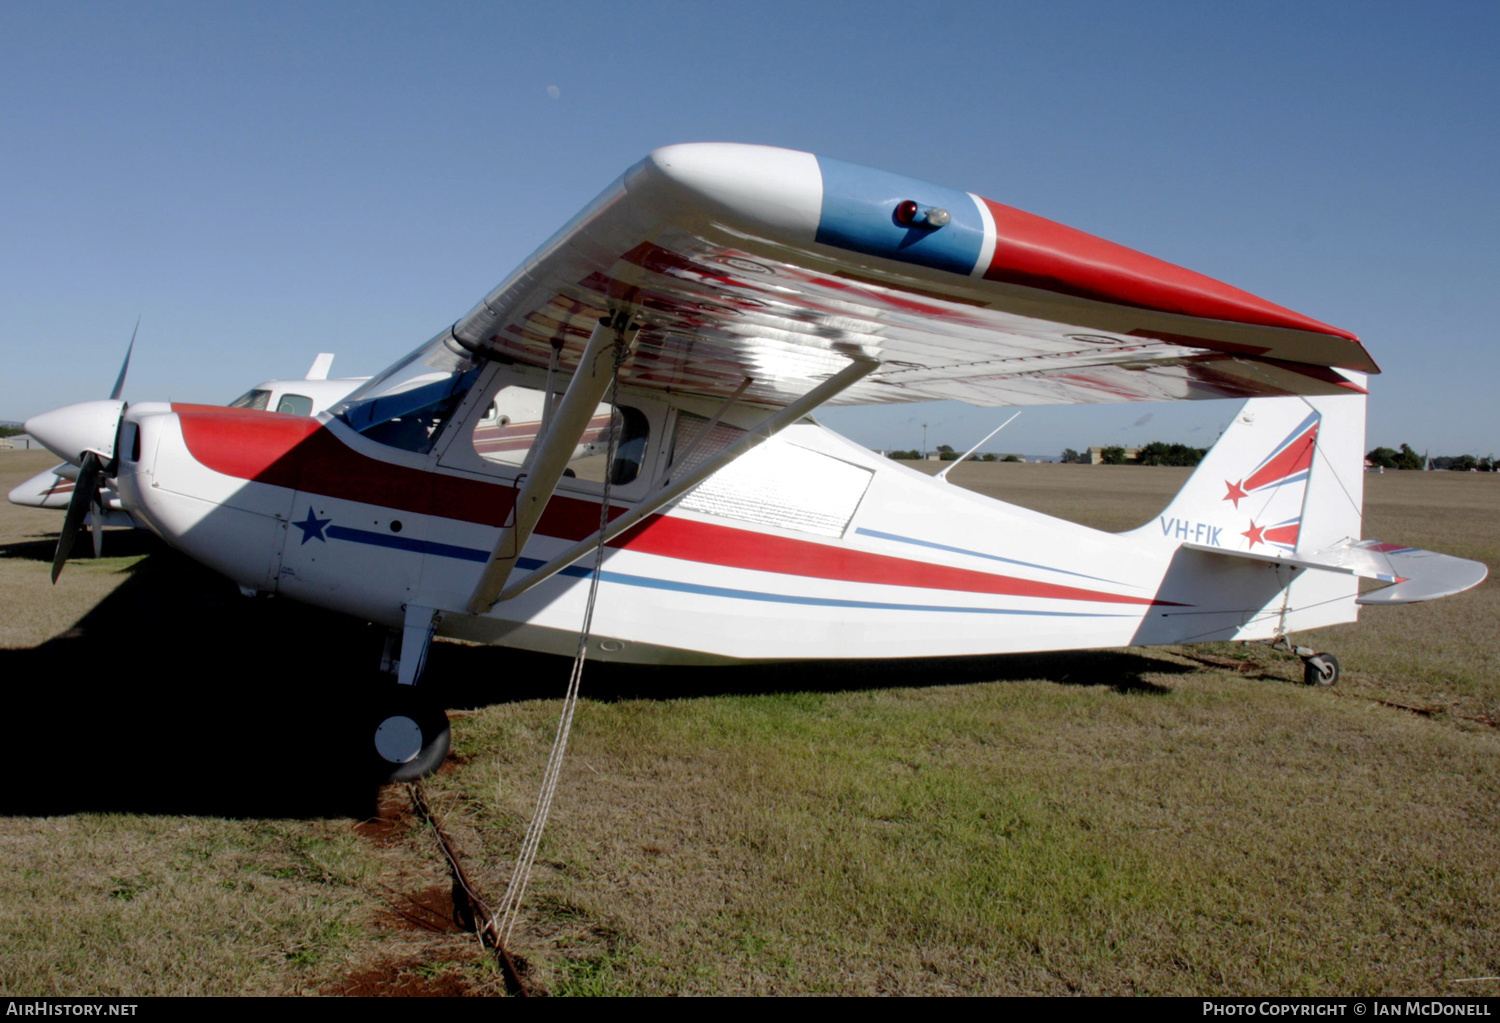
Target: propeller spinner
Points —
{"points": [[85, 435]]}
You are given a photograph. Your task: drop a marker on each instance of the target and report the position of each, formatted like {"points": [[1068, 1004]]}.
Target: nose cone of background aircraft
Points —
{"points": [[69, 431]]}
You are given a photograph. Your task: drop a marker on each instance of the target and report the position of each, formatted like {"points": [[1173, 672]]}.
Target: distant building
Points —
{"points": [[20, 442], [1096, 455]]}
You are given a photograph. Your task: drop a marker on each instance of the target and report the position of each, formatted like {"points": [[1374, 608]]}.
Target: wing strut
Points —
{"points": [[595, 372], [669, 492]]}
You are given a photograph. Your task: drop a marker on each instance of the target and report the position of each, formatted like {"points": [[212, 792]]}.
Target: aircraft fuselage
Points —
{"points": [[809, 547]]}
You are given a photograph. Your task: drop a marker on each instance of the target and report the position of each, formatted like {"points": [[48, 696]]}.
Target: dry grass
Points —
{"points": [[182, 818], [1093, 823], [1103, 824]]}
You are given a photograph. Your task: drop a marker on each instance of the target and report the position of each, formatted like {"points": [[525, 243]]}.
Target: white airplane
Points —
{"points": [[698, 311], [53, 488]]}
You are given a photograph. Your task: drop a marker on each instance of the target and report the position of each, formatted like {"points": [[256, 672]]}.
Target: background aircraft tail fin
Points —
{"points": [[320, 367]]}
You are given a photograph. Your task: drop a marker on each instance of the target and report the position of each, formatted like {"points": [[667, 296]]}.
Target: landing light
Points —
{"points": [[910, 214]]}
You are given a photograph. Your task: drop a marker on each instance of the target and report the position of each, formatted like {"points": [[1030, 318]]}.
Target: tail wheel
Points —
{"points": [[1320, 670], [409, 736]]}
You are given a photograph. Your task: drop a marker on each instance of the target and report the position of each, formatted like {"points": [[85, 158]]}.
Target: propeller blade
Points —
{"points": [[78, 506], [125, 366], [96, 523]]}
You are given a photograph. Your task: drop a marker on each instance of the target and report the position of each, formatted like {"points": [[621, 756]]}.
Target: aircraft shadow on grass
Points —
{"points": [[176, 694]]}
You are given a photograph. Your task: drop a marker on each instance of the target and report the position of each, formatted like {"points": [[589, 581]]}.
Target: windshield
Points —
{"points": [[253, 399], [407, 405]]}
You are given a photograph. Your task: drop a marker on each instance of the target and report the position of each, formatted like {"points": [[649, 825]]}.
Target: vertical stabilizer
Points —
{"points": [[1286, 478], [320, 367]]}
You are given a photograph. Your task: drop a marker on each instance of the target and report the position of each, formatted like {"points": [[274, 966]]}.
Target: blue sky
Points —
{"points": [[263, 181]]}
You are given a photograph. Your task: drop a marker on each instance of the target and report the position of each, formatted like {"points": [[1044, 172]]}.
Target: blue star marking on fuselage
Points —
{"points": [[312, 526]]}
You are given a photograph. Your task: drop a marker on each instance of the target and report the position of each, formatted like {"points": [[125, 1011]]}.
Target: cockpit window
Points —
{"points": [[510, 426], [407, 405], [295, 404], [256, 399]]}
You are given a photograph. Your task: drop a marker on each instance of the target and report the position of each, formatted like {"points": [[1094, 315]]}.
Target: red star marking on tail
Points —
{"points": [[1254, 534], [1235, 493]]}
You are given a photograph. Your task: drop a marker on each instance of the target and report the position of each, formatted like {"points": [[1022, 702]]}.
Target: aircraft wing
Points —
{"points": [[780, 266]]}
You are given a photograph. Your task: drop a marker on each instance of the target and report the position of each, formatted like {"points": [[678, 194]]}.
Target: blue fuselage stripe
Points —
{"points": [[981, 554], [406, 543], [444, 550]]}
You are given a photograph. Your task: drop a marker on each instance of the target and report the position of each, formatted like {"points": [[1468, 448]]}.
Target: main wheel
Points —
{"points": [[409, 737], [1320, 670]]}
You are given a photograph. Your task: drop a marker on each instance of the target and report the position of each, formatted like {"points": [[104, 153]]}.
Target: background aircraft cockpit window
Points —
{"points": [[506, 432], [407, 405], [256, 399], [295, 404]]}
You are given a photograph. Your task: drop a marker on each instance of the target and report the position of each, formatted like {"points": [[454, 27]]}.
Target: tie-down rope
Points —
{"points": [[510, 905]]}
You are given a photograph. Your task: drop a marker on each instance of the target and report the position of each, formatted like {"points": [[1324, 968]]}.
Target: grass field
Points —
{"points": [[184, 819]]}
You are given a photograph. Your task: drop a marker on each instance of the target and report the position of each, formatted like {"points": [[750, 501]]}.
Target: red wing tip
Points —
{"points": [[1034, 251]]}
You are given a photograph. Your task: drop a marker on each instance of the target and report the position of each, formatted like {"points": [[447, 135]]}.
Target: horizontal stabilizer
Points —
{"points": [[1414, 574], [50, 489], [1420, 575]]}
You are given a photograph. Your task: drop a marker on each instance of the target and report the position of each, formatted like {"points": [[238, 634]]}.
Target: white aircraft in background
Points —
{"points": [[689, 320], [53, 488]]}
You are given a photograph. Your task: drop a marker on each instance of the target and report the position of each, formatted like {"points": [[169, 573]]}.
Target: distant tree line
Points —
{"points": [[1155, 453], [1406, 458], [947, 454], [1160, 453], [1386, 458], [1465, 463], [11, 431]]}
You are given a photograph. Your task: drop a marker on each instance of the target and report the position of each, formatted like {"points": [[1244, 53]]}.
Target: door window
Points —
{"points": [[508, 430]]}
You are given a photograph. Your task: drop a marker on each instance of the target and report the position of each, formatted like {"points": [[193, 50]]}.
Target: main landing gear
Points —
{"points": [[410, 736], [408, 733], [1317, 669]]}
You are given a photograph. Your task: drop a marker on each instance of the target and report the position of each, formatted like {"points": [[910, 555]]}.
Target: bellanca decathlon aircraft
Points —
{"points": [[644, 382]]}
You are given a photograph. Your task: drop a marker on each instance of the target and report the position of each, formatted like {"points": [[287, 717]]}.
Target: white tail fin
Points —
{"points": [[1286, 476], [320, 367], [1285, 479], [1282, 490]]}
